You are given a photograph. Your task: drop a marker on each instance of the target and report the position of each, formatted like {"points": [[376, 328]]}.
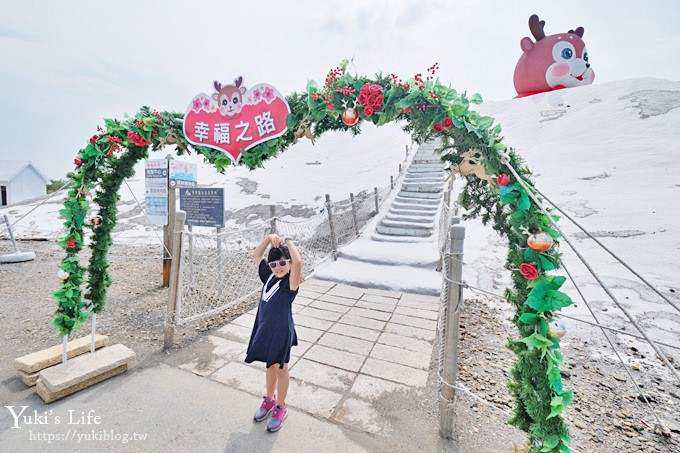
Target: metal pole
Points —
{"points": [[174, 280], [405, 158], [399, 168], [272, 216], [391, 182], [11, 234], [64, 347], [354, 214], [220, 264], [334, 239], [94, 332], [375, 191], [451, 331]]}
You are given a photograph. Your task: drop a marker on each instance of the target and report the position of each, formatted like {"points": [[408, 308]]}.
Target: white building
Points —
{"points": [[20, 180]]}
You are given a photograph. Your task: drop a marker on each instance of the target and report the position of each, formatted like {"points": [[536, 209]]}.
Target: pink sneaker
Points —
{"points": [[280, 414], [265, 408]]}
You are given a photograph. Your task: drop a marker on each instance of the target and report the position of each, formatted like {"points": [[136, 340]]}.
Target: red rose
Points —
{"points": [[378, 102], [365, 89], [71, 244], [438, 127], [448, 123], [375, 89], [371, 100], [77, 162], [362, 99], [94, 138], [528, 271], [368, 111], [137, 139], [502, 180]]}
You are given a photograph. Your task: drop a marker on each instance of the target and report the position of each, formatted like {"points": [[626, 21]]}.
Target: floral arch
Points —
{"points": [[427, 109]]}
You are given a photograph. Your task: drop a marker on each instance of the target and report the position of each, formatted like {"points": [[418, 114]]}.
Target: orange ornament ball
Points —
{"points": [[540, 241], [350, 116]]}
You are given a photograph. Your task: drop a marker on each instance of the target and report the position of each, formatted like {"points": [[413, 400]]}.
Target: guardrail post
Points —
{"points": [[334, 238], [354, 214], [375, 191], [451, 331]]}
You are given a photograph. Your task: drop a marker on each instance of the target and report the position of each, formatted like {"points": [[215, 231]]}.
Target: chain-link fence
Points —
{"points": [[217, 269]]}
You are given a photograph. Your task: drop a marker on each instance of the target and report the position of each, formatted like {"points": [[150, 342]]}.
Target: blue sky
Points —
{"points": [[67, 65]]}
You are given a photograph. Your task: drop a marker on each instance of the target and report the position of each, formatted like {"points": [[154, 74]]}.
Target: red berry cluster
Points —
{"points": [[431, 71], [398, 82], [421, 107], [333, 75], [316, 96], [115, 144], [419, 81], [406, 110], [140, 123], [327, 99], [439, 127], [158, 116], [371, 98], [347, 90], [434, 96]]}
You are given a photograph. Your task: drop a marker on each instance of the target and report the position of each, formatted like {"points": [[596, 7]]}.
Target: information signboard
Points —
{"points": [[203, 206], [182, 174], [156, 191]]}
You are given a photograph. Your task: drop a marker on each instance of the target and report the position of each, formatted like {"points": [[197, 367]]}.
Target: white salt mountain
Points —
{"points": [[605, 153]]}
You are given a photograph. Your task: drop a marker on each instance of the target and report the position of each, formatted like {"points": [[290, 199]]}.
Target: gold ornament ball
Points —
{"points": [[350, 116], [62, 274], [556, 329], [540, 241]]}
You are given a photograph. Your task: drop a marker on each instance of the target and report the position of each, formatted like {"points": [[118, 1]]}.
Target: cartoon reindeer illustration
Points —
{"points": [[470, 165], [552, 62], [229, 97]]}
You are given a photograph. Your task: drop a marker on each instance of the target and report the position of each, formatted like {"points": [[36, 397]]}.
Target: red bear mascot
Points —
{"points": [[552, 62]]}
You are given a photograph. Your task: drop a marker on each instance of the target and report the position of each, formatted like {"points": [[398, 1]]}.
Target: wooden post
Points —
{"points": [[451, 332], [168, 231], [220, 264], [272, 216], [174, 280], [375, 191], [354, 214], [334, 238]]}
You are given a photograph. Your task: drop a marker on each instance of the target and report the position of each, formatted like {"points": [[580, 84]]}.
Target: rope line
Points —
{"points": [[43, 202], [147, 219], [652, 287], [606, 289], [664, 429]]}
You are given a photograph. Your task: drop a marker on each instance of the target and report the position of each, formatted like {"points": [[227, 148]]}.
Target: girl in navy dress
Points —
{"points": [[274, 331]]}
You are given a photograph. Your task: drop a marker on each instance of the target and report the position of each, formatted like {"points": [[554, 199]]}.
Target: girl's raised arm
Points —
{"points": [[295, 263], [272, 239]]}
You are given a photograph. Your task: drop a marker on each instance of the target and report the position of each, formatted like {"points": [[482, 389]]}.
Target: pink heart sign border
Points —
{"points": [[234, 119]]}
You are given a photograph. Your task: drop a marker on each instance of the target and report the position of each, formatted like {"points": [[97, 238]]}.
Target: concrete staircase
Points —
{"points": [[399, 250], [414, 210]]}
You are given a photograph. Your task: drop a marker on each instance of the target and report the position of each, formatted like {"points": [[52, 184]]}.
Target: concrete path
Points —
{"points": [[355, 345], [362, 361]]}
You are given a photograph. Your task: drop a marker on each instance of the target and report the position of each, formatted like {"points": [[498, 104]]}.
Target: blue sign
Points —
{"points": [[204, 206]]}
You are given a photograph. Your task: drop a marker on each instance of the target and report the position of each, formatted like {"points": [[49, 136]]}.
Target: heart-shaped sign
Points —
{"points": [[234, 119]]}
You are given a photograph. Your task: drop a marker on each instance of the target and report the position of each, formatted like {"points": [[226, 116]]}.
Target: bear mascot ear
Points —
{"points": [[526, 44]]}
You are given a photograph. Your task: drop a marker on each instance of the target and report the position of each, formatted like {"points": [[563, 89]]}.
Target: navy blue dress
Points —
{"points": [[274, 330]]}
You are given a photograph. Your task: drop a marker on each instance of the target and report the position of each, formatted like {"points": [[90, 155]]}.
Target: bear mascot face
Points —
{"points": [[552, 62]]}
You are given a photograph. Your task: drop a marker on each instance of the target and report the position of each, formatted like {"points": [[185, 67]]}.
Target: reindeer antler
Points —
{"points": [[238, 81], [217, 85], [578, 32], [536, 27]]}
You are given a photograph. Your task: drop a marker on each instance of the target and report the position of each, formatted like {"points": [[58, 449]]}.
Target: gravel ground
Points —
{"points": [[606, 415]]}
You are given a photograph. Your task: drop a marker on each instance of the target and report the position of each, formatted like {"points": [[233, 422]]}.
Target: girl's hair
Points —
{"points": [[276, 253]]}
